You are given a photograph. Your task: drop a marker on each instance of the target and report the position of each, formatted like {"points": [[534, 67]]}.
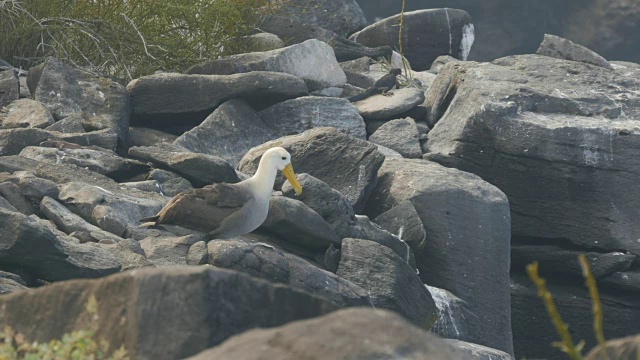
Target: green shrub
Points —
{"points": [[121, 38]]}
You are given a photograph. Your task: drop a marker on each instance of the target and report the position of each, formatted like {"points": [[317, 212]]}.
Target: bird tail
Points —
{"points": [[364, 95]]}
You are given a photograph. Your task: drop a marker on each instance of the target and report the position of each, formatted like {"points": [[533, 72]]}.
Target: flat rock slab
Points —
{"points": [[312, 60], [400, 135], [179, 96], [298, 115], [65, 90], [467, 224], [560, 48], [229, 132], [13, 141], [345, 163], [31, 245], [351, 333], [560, 138], [200, 306], [427, 35], [385, 107], [25, 113], [104, 162], [200, 169], [390, 282]]}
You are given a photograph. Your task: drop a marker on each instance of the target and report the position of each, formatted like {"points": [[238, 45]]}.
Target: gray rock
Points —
{"points": [[312, 60], [201, 306], [9, 88], [328, 92], [70, 124], [147, 185], [468, 235], [30, 245], [25, 113], [167, 251], [404, 221], [345, 163], [428, 34], [294, 32], [10, 282], [627, 281], [111, 211], [359, 65], [349, 90], [129, 259], [390, 282], [266, 262], [388, 153], [400, 135], [342, 16], [385, 107], [198, 254], [35, 188], [572, 125], [141, 136], [533, 330], [65, 90], [69, 222], [102, 161], [554, 260], [200, 169], [334, 208], [452, 314], [12, 141], [58, 173], [229, 132], [479, 352], [293, 221], [298, 115], [440, 62], [368, 230], [622, 349], [560, 48], [387, 336], [12, 194], [178, 97], [359, 80], [7, 205], [171, 184], [262, 42]]}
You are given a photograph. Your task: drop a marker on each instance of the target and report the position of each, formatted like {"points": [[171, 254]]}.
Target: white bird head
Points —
{"points": [[281, 160]]}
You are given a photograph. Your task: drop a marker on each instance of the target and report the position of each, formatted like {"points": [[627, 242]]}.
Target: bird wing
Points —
{"points": [[204, 209]]}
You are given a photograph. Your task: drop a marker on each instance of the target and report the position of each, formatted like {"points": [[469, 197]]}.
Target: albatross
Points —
{"points": [[229, 210]]}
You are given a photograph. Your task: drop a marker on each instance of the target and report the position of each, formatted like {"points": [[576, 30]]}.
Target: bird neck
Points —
{"points": [[264, 177]]}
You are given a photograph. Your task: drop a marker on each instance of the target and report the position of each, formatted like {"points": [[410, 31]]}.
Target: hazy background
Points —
{"points": [[507, 27]]}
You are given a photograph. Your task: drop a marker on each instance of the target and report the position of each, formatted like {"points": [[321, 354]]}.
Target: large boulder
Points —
{"points": [[9, 87], [25, 113], [313, 61], [400, 135], [229, 132], [340, 16], [12, 141], [467, 227], [294, 32], [344, 334], [298, 115], [161, 313], [533, 330], [559, 137], [65, 90], [391, 283], [29, 244], [345, 163], [427, 34], [178, 98], [200, 169]]}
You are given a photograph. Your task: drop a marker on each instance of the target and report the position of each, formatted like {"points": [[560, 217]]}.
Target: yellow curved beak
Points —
{"points": [[291, 176]]}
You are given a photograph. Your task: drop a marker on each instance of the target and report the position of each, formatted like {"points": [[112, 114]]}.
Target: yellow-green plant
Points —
{"points": [[124, 38], [77, 345]]}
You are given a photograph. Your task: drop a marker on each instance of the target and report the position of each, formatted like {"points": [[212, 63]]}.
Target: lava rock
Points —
{"points": [[167, 251], [171, 184], [70, 124], [400, 135], [560, 48], [404, 221], [341, 16], [9, 87], [395, 102], [25, 113], [10, 282]]}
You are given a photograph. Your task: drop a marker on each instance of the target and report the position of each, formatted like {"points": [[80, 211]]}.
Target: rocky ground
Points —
{"points": [[420, 207]]}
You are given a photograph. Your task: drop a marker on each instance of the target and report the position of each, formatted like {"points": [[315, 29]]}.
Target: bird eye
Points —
{"points": [[284, 158]]}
